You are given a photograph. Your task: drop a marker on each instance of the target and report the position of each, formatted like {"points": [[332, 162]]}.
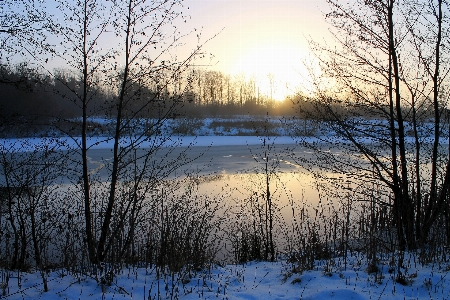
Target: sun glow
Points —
{"points": [[266, 41], [277, 68]]}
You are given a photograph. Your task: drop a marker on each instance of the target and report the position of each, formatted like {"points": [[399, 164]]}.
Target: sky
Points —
{"points": [[256, 38]]}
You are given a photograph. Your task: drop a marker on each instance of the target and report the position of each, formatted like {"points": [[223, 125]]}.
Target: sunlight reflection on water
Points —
{"points": [[286, 189]]}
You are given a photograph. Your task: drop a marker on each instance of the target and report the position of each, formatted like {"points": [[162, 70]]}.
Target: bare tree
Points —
{"points": [[22, 23], [129, 46], [383, 93], [30, 175], [141, 59]]}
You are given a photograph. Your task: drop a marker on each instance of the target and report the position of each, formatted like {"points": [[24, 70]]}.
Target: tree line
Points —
{"points": [[32, 103], [28, 94]]}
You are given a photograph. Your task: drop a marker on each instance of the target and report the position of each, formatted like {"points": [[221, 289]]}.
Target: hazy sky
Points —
{"points": [[258, 37]]}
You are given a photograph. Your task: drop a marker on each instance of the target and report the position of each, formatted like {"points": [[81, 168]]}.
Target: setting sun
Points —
{"points": [[277, 68], [262, 40]]}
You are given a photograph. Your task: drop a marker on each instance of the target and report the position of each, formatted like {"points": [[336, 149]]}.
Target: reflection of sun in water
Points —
{"points": [[278, 68]]}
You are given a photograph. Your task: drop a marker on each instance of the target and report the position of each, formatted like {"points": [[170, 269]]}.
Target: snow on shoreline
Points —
{"points": [[66, 143], [238, 130]]}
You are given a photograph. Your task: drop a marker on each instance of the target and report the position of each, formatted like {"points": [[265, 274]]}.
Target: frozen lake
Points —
{"points": [[209, 160], [221, 163]]}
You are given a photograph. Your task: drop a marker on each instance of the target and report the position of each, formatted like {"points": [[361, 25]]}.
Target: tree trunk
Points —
{"points": [[116, 157], [436, 200], [84, 148], [404, 200]]}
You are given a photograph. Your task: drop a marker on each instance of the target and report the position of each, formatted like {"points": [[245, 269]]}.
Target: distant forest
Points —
{"points": [[32, 103], [29, 95]]}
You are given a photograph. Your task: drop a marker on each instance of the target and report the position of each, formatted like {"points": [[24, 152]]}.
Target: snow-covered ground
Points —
{"points": [[254, 280]]}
